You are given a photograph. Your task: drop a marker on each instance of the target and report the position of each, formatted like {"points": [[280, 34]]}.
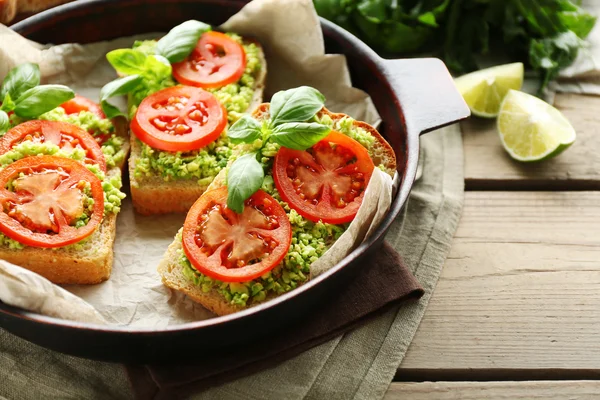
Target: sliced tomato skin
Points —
{"points": [[68, 234], [200, 135], [80, 103], [231, 66], [17, 135], [203, 264], [323, 211]]}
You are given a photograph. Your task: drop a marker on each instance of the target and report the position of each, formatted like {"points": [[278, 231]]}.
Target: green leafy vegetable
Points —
{"points": [[4, 122], [299, 135], [127, 61], [292, 112], [295, 105], [552, 54], [40, 99], [176, 45], [7, 103], [541, 32], [244, 130], [244, 178], [118, 87], [19, 80], [145, 72]]}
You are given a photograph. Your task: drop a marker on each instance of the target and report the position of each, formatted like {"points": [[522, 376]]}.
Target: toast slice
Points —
{"points": [[154, 195], [170, 268], [83, 263], [171, 272]]}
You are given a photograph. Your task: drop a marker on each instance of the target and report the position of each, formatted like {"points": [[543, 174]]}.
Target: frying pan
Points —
{"points": [[413, 96]]}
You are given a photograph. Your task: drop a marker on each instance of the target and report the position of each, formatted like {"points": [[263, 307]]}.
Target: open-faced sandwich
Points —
{"points": [[183, 91], [296, 181], [60, 180]]}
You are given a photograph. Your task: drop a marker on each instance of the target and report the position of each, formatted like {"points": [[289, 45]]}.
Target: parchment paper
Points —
{"points": [[290, 32]]}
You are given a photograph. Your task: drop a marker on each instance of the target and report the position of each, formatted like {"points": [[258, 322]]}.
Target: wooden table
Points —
{"points": [[516, 312]]}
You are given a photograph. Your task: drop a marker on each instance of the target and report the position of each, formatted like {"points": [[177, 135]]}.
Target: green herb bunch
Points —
{"points": [[545, 34], [22, 94], [289, 125]]}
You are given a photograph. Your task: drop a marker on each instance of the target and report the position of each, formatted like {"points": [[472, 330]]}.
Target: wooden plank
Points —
{"points": [[574, 390], [488, 166], [519, 291]]}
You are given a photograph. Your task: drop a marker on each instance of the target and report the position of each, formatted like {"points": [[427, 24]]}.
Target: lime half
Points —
{"points": [[531, 129], [484, 90]]}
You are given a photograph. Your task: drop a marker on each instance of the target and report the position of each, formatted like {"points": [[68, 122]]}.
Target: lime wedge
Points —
{"points": [[531, 129], [484, 90]]}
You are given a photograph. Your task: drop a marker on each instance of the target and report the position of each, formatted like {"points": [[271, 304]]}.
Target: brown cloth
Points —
{"points": [[385, 282]]}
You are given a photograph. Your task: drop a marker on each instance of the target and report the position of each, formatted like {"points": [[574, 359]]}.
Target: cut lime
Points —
{"points": [[531, 129], [484, 90]]}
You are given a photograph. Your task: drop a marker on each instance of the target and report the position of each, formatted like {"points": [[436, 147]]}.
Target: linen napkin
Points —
{"points": [[384, 280]]}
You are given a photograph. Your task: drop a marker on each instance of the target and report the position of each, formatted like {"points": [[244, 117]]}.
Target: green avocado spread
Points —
{"points": [[203, 164], [309, 240]]}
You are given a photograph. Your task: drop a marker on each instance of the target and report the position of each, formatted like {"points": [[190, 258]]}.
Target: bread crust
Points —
{"points": [[122, 130], [171, 270], [154, 195]]}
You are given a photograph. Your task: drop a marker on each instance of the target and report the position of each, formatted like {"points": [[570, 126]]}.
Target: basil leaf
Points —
{"points": [[296, 105], [244, 178], [299, 135], [176, 45], [244, 130], [118, 87], [40, 99], [20, 79], [7, 104], [127, 61], [4, 122], [156, 67]]}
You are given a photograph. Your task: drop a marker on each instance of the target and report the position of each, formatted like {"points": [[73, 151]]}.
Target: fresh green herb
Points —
{"points": [[292, 112], [118, 87], [176, 45], [552, 54], [244, 178], [7, 104], [299, 135], [4, 122], [540, 32], [40, 99], [295, 105], [22, 93], [127, 61], [244, 130], [151, 63], [19, 80]]}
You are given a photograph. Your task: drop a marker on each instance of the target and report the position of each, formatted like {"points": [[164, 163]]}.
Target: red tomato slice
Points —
{"points": [[235, 247], [325, 182], [216, 61], [179, 118], [44, 203], [64, 135], [79, 104]]}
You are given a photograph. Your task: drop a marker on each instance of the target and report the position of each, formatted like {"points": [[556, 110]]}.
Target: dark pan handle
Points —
{"points": [[426, 93]]}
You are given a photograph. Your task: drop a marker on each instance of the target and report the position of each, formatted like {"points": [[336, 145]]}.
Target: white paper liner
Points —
{"points": [[134, 296]]}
